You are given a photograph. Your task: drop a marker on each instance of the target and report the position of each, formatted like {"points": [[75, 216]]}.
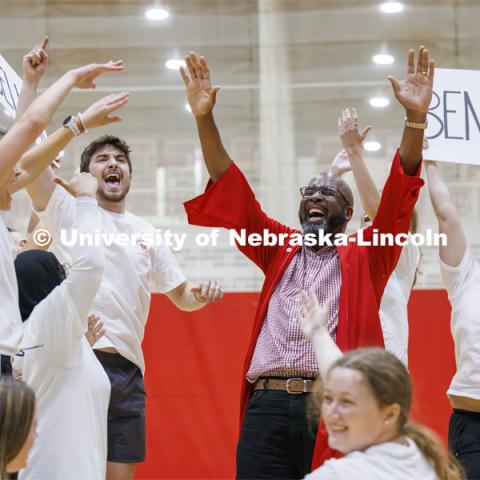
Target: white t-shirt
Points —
{"points": [[123, 299], [380, 462], [463, 287], [10, 320], [394, 305], [71, 387]]}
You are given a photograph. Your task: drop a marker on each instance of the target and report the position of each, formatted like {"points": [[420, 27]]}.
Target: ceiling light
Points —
{"points": [[156, 14], [379, 102], [383, 59], [372, 146], [391, 7], [188, 108], [174, 64]]}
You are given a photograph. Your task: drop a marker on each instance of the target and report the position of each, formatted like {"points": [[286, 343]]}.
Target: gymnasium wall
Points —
{"points": [[194, 364]]}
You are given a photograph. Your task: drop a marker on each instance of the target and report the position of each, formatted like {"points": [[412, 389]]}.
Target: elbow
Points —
{"points": [[34, 122]]}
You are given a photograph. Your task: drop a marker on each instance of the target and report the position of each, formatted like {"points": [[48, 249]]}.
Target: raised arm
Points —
{"points": [[37, 160], [34, 66], [313, 321], [88, 260], [447, 216], [352, 143], [24, 132], [201, 98], [415, 96]]}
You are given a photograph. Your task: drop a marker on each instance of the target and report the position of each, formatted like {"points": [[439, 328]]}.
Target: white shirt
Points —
{"points": [[463, 287], [381, 462], [10, 320], [394, 305], [123, 299], [71, 387]]}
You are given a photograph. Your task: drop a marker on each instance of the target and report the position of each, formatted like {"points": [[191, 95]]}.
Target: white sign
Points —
{"points": [[10, 85], [453, 133]]}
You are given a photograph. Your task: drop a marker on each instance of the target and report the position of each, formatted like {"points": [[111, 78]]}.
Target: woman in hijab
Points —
{"points": [[70, 385]]}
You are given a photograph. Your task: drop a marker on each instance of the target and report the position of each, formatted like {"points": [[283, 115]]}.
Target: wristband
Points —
{"points": [[81, 123], [418, 126], [71, 123]]}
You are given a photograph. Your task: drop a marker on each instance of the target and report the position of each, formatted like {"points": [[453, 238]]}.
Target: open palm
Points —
{"points": [[200, 93], [415, 94]]}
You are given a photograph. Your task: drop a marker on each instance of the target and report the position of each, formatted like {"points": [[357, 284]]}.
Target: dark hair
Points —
{"points": [[390, 384], [97, 144], [17, 408], [11, 230]]}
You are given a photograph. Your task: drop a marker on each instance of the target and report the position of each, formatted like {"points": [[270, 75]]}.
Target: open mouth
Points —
{"points": [[316, 214], [112, 180]]}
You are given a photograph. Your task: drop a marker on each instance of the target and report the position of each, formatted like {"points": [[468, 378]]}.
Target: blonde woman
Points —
{"points": [[365, 404]]}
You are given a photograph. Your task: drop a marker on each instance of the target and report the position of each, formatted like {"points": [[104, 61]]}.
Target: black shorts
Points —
{"points": [[464, 441], [126, 412]]}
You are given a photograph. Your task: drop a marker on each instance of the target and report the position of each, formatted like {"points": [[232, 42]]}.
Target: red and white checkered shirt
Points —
{"points": [[282, 349]]}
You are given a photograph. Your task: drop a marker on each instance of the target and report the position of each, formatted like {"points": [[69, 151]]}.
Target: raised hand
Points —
{"points": [[350, 138], [208, 291], [311, 316], [415, 94], [82, 184], [83, 77], [98, 114], [341, 163], [35, 63], [200, 93]]}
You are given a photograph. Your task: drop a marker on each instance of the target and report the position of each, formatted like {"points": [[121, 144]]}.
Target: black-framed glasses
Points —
{"points": [[323, 190]]}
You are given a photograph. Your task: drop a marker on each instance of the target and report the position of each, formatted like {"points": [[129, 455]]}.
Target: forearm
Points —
{"points": [[326, 350], [28, 93], [87, 259], [216, 157], [184, 299], [38, 158], [442, 202], [412, 143], [367, 189]]}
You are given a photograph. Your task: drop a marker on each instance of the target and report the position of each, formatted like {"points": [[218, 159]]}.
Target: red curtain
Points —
{"points": [[194, 363]]}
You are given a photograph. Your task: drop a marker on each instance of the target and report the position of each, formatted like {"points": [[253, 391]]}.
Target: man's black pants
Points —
{"points": [[464, 441], [277, 438]]}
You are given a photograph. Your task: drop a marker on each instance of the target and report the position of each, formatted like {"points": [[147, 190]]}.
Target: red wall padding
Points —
{"points": [[193, 380]]}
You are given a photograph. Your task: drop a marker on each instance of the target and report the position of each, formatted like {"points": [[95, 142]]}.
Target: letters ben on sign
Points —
{"points": [[453, 133]]}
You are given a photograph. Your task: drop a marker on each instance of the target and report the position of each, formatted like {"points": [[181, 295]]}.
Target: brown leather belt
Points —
{"points": [[291, 385]]}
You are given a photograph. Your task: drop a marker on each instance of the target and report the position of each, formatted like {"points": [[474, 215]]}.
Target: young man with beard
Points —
{"points": [[123, 299], [276, 441]]}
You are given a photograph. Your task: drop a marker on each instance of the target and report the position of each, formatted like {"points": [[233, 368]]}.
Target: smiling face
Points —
{"points": [[352, 415], [110, 166], [327, 205]]}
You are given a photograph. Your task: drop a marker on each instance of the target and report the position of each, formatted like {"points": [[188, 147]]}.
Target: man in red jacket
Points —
{"points": [[276, 440]]}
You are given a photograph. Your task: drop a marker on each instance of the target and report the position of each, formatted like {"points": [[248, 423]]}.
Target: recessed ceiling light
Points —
{"points": [[372, 146], [379, 102], [174, 64], [188, 108], [157, 14], [383, 59], [391, 7]]}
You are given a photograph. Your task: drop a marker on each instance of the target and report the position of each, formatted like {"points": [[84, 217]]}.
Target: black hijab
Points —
{"points": [[38, 273]]}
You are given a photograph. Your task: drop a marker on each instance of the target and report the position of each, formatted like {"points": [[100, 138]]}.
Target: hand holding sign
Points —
{"points": [[415, 94]]}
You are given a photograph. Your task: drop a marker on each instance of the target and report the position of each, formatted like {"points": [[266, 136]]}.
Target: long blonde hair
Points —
{"points": [[17, 409], [390, 383]]}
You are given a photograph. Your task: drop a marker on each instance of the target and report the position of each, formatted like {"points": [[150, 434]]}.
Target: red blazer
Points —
{"points": [[231, 203]]}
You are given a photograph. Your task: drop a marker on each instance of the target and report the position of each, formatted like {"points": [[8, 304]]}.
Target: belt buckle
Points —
{"points": [[287, 385]]}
